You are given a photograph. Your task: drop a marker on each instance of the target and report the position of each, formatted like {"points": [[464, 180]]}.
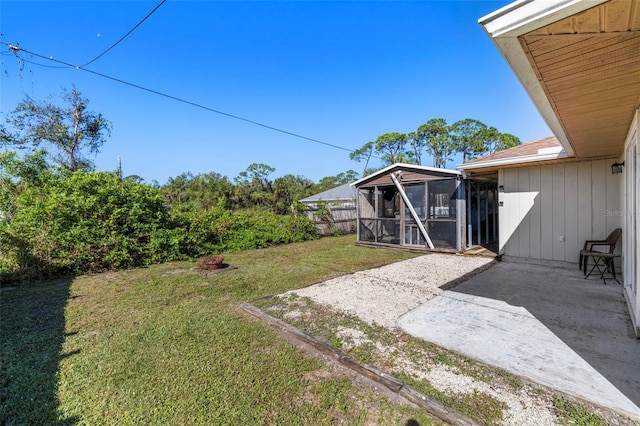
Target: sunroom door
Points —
{"points": [[412, 235]]}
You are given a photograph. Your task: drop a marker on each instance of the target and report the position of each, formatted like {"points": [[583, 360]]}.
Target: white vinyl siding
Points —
{"points": [[549, 211], [546, 205], [535, 217], [558, 212]]}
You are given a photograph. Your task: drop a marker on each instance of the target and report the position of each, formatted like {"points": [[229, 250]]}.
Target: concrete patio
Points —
{"points": [[544, 323]]}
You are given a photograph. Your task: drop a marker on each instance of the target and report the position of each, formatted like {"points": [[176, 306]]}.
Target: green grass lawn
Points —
{"points": [[163, 345]]}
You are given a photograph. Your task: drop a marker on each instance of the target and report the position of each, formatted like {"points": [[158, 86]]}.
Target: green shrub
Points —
{"points": [[219, 230], [79, 222]]}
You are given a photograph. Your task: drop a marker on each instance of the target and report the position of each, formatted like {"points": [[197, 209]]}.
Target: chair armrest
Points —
{"points": [[605, 244], [594, 242]]}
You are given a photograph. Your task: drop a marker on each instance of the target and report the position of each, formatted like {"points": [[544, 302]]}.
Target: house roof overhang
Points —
{"points": [[579, 61], [542, 151], [517, 161]]}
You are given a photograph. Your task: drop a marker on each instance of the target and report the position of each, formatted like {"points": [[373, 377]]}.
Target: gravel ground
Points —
{"points": [[384, 294], [395, 289]]}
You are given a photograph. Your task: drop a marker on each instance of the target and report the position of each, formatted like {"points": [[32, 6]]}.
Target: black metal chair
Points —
{"points": [[605, 256]]}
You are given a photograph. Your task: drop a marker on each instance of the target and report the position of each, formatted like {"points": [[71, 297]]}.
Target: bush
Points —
{"points": [[78, 222], [86, 222], [218, 230]]}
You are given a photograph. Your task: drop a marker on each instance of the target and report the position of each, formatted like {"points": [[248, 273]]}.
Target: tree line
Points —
{"points": [[437, 139], [55, 221], [59, 216], [70, 135], [252, 188]]}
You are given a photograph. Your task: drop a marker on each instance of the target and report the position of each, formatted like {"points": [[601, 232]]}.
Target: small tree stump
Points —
{"points": [[211, 262]]}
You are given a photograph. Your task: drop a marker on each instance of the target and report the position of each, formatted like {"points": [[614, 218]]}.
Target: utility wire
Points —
{"points": [[126, 35], [17, 49], [39, 64], [14, 52], [100, 55]]}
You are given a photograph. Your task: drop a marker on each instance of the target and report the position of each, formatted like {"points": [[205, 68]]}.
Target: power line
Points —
{"points": [[37, 63], [126, 35], [14, 52], [17, 49]]}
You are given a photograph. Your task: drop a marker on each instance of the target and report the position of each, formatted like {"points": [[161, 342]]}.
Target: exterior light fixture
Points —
{"points": [[617, 167]]}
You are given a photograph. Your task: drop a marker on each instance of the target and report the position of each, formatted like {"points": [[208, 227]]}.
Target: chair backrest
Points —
{"points": [[613, 238]]}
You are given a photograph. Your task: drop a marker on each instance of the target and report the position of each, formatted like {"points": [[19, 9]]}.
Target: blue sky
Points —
{"points": [[340, 72]]}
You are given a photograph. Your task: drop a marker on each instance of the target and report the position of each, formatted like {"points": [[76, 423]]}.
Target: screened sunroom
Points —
{"points": [[413, 207]]}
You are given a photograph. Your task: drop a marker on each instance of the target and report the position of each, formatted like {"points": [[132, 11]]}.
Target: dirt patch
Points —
{"points": [[223, 268]]}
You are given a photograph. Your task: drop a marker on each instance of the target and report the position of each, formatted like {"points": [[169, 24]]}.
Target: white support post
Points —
{"points": [[376, 207], [412, 210], [478, 207], [469, 218], [358, 193], [494, 211], [460, 213], [486, 213]]}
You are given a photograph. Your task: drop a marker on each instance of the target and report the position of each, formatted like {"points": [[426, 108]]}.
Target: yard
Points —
{"points": [[163, 345], [167, 345]]}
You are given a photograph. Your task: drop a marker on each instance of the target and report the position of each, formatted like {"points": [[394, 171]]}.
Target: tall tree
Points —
{"points": [[365, 152], [253, 187], [329, 182], [496, 141], [289, 189], [256, 175], [199, 192], [74, 132], [469, 136], [434, 136], [507, 140], [392, 147], [416, 146]]}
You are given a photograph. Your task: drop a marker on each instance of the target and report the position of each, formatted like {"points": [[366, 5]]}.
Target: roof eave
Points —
{"points": [[413, 166], [513, 161], [523, 16], [316, 200], [505, 25]]}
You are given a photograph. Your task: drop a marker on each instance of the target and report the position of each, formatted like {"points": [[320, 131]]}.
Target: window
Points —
{"points": [[367, 202], [388, 202], [415, 194], [442, 199]]}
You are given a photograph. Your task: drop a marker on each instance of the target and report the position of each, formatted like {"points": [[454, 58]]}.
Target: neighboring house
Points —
{"points": [[579, 61], [339, 204]]}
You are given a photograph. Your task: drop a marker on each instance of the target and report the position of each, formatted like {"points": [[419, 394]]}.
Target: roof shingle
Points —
{"points": [[526, 149]]}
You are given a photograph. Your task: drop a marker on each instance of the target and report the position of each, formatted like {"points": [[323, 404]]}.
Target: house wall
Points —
{"points": [[546, 212], [631, 217]]}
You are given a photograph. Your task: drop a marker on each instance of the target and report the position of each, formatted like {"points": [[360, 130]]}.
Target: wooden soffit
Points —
{"points": [[589, 67]]}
